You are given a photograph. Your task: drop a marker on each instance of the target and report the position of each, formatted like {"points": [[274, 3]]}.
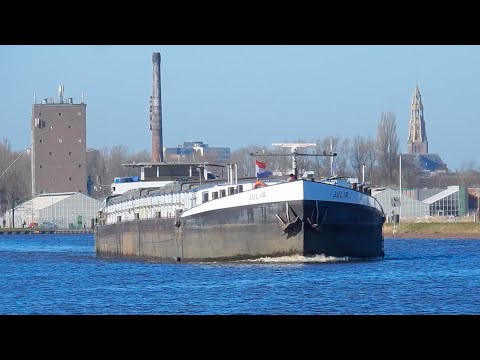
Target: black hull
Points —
{"points": [[276, 229]]}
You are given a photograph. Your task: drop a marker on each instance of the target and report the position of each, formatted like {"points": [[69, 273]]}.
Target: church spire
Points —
{"points": [[417, 135]]}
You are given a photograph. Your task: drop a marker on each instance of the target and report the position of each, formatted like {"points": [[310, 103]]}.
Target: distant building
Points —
{"points": [[58, 129], [197, 150], [453, 201], [417, 203], [417, 147], [404, 205], [417, 133], [65, 210], [426, 164]]}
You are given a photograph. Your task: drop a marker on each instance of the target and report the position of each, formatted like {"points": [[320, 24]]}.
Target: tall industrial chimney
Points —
{"points": [[156, 112]]}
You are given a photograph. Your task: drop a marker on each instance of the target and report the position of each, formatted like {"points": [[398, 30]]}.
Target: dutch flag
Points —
{"points": [[261, 172]]}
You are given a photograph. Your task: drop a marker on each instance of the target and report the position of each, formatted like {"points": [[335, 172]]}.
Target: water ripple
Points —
{"points": [[60, 274]]}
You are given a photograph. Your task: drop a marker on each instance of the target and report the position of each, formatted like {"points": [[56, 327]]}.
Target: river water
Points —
{"points": [[61, 274]]}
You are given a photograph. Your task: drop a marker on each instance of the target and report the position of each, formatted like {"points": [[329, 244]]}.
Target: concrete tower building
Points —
{"points": [[417, 135], [59, 157]]}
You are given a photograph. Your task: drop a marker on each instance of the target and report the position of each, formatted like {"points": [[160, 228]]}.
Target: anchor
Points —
{"points": [[291, 228], [310, 221]]}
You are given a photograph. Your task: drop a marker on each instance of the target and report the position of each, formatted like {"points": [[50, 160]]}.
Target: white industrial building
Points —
{"points": [[68, 210], [414, 204], [392, 204]]}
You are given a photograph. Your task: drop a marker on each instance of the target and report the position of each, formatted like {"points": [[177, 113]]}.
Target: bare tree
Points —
{"points": [[468, 165], [139, 157], [5, 154], [324, 164], [387, 148], [283, 161], [316, 162], [371, 160], [358, 154], [6, 157], [362, 153], [341, 160], [15, 172], [16, 186], [106, 164], [246, 162]]}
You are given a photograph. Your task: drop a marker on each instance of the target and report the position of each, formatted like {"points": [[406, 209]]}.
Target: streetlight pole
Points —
{"points": [[331, 159], [363, 173], [478, 208], [400, 188]]}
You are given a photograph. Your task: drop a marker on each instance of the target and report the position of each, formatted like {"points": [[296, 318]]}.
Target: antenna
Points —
{"points": [[294, 150], [293, 146]]}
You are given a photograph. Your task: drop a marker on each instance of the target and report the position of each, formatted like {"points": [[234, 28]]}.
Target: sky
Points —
{"points": [[239, 95]]}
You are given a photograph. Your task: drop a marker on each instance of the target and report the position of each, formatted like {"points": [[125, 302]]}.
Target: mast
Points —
{"points": [[295, 154], [294, 150]]}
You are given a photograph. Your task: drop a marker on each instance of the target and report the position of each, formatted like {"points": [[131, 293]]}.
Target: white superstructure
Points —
{"points": [[166, 202]]}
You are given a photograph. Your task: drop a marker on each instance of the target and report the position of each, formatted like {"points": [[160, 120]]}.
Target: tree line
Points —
{"points": [[377, 158]]}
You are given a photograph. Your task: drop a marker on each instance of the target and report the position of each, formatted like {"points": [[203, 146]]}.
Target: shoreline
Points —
{"points": [[454, 230], [21, 231]]}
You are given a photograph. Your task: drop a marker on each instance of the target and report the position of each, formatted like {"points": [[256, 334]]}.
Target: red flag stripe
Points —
{"points": [[260, 164]]}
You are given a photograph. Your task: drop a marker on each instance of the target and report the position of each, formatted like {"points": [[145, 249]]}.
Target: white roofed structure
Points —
{"points": [[66, 210]]}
